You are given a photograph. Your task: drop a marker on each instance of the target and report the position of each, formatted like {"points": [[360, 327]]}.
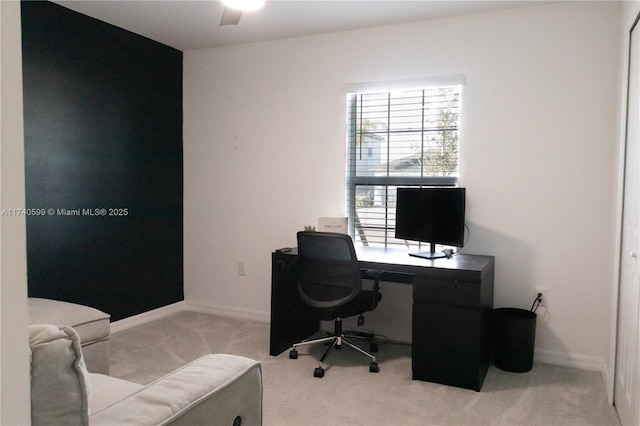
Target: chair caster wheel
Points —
{"points": [[318, 372], [373, 367], [293, 354], [373, 347]]}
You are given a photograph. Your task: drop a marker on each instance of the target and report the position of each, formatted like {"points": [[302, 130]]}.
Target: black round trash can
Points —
{"points": [[514, 337]]}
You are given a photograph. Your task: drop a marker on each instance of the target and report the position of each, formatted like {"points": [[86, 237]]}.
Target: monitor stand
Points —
{"points": [[431, 254]]}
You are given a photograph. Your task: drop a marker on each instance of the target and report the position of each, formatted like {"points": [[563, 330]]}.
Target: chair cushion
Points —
{"points": [[91, 324], [60, 387], [107, 391]]}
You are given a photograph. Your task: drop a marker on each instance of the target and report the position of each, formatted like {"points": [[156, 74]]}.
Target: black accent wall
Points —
{"points": [[103, 156]]}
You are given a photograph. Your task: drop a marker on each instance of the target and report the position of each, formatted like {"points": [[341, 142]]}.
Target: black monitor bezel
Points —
{"points": [[456, 199]]}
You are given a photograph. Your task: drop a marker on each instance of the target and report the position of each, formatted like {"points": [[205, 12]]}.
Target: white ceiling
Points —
{"points": [[187, 25]]}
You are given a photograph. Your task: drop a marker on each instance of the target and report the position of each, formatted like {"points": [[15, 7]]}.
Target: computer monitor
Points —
{"points": [[431, 215]]}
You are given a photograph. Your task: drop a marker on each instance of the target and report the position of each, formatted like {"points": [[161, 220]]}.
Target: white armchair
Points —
{"points": [[212, 390], [91, 324]]}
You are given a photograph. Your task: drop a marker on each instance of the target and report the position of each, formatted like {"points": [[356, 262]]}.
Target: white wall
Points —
{"points": [[15, 408], [264, 153]]}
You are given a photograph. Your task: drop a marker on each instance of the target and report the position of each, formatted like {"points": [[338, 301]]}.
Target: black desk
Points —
{"points": [[452, 303]]}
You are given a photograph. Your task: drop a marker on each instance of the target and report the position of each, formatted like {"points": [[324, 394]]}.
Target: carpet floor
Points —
{"points": [[350, 395]]}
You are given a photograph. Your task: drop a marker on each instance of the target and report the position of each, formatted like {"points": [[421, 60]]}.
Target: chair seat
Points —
{"points": [[362, 303]]}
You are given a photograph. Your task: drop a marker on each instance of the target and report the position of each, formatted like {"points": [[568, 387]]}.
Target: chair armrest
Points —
{"points": [[214, 389]]}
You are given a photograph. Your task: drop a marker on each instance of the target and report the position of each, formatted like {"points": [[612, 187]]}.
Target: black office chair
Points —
{"points": [[331, 284]]}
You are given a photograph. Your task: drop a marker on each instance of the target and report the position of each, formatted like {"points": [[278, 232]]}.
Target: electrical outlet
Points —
{"points": [[543, 291], [242, 267]]}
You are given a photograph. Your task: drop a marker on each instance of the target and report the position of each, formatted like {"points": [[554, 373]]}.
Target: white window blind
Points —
{"points": [[406, 138]]}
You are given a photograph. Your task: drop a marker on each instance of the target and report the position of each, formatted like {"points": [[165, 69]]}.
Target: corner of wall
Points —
{"points": [[15, 397]]}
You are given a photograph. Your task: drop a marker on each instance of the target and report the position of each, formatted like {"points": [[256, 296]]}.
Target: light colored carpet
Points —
{"points": [[349, 394]]}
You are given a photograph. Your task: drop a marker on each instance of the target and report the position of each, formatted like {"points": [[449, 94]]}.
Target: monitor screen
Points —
{"points": [[432, 215]]}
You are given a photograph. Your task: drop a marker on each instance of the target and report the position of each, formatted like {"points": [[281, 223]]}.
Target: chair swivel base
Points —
{"points": [[336, 343], [319, 371]]}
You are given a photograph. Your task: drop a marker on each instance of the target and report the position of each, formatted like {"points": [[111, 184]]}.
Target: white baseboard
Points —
{"points": [[226, 311], [582, 362], [205, 308], [146, 317]]}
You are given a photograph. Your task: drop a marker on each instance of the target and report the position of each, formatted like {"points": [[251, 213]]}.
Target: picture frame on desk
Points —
{"points": [[333, 224]]}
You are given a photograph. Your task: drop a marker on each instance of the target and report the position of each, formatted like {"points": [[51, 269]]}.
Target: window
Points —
{"points": [[406, 138]]}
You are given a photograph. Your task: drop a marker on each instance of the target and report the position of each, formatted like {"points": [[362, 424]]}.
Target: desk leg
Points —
{"points": [[291, 320]]}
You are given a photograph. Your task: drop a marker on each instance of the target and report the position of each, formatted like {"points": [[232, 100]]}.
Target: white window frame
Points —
{"points": [[386, 185]]}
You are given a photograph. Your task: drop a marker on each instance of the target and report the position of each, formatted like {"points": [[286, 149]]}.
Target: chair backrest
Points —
{"points": [[328, 269]]}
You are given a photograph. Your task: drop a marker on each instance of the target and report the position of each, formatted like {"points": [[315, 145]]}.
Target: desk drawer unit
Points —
{"points": [[451, 341]]}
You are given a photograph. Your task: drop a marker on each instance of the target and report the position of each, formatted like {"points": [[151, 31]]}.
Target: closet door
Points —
{"points": [[627, 376]]}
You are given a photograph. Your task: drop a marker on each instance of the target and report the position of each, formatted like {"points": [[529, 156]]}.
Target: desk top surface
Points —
{"points": [[401, 257], [378, 258]]}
